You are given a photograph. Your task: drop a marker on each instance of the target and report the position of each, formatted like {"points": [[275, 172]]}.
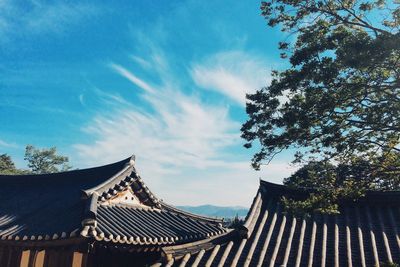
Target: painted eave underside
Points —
{"points": [[365, 233], [90, 204]]}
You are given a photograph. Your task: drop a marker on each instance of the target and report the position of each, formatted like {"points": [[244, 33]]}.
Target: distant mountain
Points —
{"points": [[216, 211]]}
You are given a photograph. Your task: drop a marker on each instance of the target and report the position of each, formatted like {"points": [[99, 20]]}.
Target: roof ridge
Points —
{"points": [[197, 245], [106, 184], [373, 196], [150, 195], [252, 215], [132, 206], [16, 176], [128, 178]]}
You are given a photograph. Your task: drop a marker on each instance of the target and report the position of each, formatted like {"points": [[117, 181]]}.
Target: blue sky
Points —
{"points": [[164, 80]]}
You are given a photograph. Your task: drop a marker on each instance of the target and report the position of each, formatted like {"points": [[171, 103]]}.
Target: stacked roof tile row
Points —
{"points": [[365, 233], [124, 224]]}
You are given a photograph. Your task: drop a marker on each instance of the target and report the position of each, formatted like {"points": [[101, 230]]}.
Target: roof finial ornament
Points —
{"points": [[132, 160]]}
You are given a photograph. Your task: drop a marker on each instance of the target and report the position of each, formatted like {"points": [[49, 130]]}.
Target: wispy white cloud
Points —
{"points": [[180, 154], [179, 131], [185, 146], [36, 17], [143, 63], [5, 144], [82, 99], [231, 73], [132, 77]]}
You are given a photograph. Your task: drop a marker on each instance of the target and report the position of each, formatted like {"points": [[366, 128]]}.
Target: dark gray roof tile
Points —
{"points": [[363, 234], [32, 205], [76, 203], [152, 225]]}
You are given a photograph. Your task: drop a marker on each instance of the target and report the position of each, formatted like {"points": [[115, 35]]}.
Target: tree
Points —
{"points": [[327, 184], [339, 99], [236, 222], [7, 165], [45, 160]]}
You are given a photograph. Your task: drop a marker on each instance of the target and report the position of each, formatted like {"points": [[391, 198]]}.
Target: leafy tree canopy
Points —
{"points": [[39, 161], [45, 160], [339, 99], [329, 184], [7, 166]]}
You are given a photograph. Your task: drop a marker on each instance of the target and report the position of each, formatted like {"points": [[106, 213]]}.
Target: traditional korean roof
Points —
{"points": [[108, 204], [365, 233]]}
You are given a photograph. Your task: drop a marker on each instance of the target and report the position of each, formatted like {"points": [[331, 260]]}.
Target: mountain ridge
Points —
{"points": [[216, 211]]}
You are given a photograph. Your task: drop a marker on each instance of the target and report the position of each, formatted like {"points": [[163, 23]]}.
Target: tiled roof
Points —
{"points": [[91, 203], [48, 206], [365, 233], [123, 224]]}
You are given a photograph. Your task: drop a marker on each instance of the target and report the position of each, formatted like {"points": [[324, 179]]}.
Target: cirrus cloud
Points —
{"points": [[35, 17], [186, 146], [231, 73]]}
